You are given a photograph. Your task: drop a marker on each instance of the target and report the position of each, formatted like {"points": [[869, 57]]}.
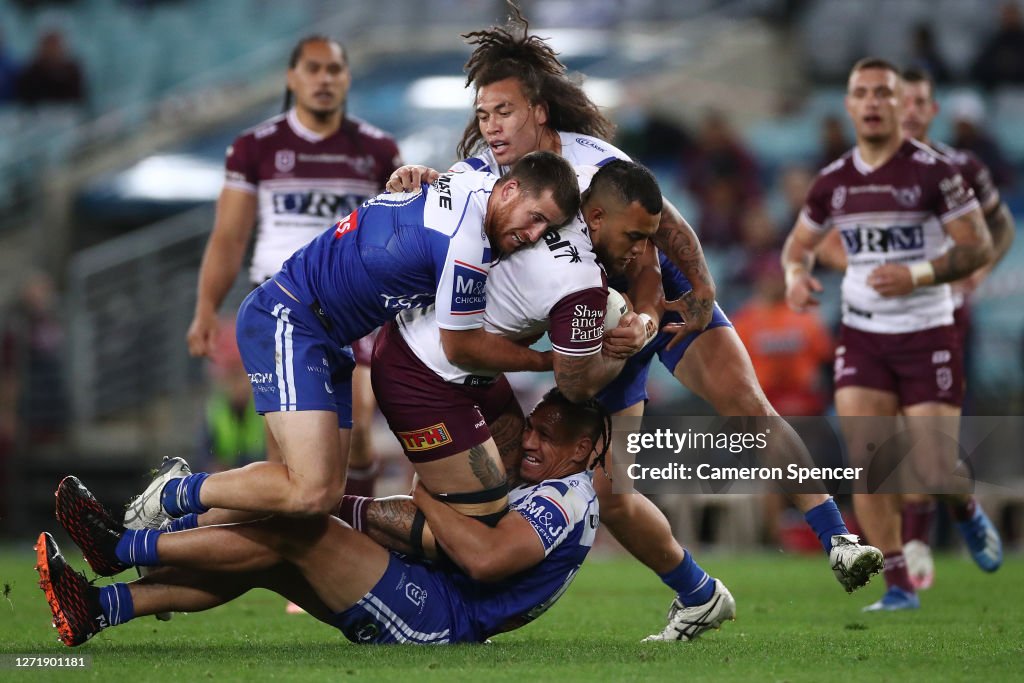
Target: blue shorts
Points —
{"points": [[630, 387], [412, 603], [291, 361]]}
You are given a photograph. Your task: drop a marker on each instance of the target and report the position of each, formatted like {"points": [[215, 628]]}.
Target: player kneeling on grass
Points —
{"points": [[512, 572]]}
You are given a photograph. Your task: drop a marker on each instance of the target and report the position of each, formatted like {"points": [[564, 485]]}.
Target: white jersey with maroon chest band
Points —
{"points": [[890, 214], [555, 285], [304, 181]]}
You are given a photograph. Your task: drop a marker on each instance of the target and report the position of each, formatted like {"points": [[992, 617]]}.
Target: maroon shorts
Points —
{"points": [[962, 324], [432, 418], [919, 367]]}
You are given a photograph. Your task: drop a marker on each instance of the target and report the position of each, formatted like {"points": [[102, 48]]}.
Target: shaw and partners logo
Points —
{"points": [[864, 238], [427, 438]]}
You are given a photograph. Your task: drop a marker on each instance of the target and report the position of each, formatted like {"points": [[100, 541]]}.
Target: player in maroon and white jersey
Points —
{"points": [[290, 177], [910, 225], [919, 110]]}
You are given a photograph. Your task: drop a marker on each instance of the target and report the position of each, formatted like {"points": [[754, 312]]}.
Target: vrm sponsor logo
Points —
{"points": [[862, 238], [319, 204], [426, 439]]}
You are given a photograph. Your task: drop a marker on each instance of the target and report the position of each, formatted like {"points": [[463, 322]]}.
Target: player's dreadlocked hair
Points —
{"points": [[510, 52], [293, 60], [587, 418]]}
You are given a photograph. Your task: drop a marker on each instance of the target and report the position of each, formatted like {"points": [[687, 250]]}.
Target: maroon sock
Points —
{"points": [[896, 572], [917, 521], [353, 510], [963, 512], [361, 480]]}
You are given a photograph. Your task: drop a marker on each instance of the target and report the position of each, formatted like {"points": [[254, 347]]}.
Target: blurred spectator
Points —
{"points": [[1000, 60], [925, 56], [794, 183], [9, 71], [722, 175], [834, 142], [968, 112], [653, 139], [759, 236], [33, 394], [789, 350], [53, 75], [232, 433]]}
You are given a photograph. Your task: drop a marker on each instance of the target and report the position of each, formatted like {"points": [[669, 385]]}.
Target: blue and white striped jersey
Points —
{"points": [[564, 513]]}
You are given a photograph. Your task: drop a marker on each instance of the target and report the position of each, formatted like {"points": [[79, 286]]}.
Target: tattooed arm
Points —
{"points": [[972, 249], [1002, 228], [580, 377], [484, 553], [677, 240], [389, 522]]}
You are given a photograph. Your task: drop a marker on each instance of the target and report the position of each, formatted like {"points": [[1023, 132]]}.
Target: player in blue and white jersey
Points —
{"points": [[395, 252], [511, 573]]}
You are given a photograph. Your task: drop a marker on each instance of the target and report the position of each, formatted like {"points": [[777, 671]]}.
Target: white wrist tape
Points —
{"points": [[922, 273], [794, 269], [650, 327]]}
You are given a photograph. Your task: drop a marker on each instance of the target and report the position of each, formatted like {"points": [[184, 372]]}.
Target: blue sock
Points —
{"points": [[137, 547], [116, 601], [690, 582], [181, 496], [189, 521], [826, 522]]}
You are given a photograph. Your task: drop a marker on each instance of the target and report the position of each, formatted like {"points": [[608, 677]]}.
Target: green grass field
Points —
{"points": [[794, 624]]}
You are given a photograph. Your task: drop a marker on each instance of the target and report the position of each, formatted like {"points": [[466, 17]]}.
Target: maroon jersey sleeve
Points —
{"points": [[817, 208], [241, 170], [577, 322], [979, 178], [954, 197]]}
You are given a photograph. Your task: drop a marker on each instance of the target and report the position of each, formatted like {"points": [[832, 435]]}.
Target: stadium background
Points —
{"points": [[111, 198]]}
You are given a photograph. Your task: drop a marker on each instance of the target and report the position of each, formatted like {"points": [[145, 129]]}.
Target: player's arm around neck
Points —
{"points": [[677, 239], [484, 553], [481, 350], [222, 259]]}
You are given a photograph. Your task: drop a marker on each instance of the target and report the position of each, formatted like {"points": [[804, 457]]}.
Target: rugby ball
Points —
{"points": [[617, 307]]}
